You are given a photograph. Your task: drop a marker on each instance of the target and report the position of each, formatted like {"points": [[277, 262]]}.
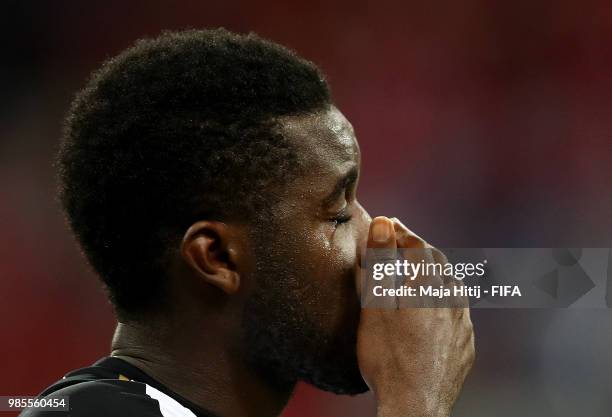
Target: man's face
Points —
{"points": [[301, 320]]}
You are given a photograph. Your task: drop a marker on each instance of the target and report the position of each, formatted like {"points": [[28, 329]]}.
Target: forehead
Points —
{"points": [[325, 140]]}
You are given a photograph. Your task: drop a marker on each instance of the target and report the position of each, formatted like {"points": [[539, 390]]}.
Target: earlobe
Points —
{"points": [[206, 248]]}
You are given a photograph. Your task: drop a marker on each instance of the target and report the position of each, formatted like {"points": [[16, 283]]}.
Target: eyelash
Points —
{"points": [[341, 218]]}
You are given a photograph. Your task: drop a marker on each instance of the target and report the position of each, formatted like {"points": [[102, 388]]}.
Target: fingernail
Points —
{"points": [[381, 231]]}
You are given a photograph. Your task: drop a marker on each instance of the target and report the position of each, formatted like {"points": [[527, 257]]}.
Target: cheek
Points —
{"points": [[344, 248], [325, 267], [333, 268], [339, 248], [335, 250], [338, 301]]}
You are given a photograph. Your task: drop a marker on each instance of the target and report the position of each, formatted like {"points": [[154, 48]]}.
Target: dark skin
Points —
{"points": [[323, 227]]}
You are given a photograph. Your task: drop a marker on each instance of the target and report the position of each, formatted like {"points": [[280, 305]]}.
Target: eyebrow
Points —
{"points": [[343, 183]]}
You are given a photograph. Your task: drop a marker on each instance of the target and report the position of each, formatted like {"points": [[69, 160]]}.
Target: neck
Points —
{"points": [[202, 369]]}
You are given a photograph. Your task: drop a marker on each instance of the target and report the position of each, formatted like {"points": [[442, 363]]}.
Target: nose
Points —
{"points": [[361, 239], [362, 230]]}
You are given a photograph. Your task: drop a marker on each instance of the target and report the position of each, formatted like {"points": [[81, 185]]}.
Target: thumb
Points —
{"points": [[381, 249], [382, 233]]}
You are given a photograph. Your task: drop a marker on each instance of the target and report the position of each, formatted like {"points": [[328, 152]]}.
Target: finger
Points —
{"points": [[381, 252], [469, 350], [412, 246], [439, 256], [416, 249], [420, 249], [406, 238], [382, 233]]}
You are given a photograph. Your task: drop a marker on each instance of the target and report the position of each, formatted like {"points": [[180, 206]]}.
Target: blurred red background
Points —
{"points": [[481, 123]]}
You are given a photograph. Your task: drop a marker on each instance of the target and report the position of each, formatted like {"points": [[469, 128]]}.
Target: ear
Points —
{"points": [[209, 251]]}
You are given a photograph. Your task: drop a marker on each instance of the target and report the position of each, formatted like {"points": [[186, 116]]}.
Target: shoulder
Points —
{"points": [[112, 397]]}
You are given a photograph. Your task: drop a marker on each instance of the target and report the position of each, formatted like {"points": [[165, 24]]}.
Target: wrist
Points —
{"points": [[409, 405]]}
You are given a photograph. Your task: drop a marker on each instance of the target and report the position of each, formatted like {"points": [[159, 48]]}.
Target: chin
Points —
{"points": [[333, 365], [350, 383]]}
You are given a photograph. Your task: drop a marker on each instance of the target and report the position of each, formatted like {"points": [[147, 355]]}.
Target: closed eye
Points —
{"points": [[341, 218]]}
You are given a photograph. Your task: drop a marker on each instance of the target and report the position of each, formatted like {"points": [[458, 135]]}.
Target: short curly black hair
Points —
{"points": [[172, 130]]}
